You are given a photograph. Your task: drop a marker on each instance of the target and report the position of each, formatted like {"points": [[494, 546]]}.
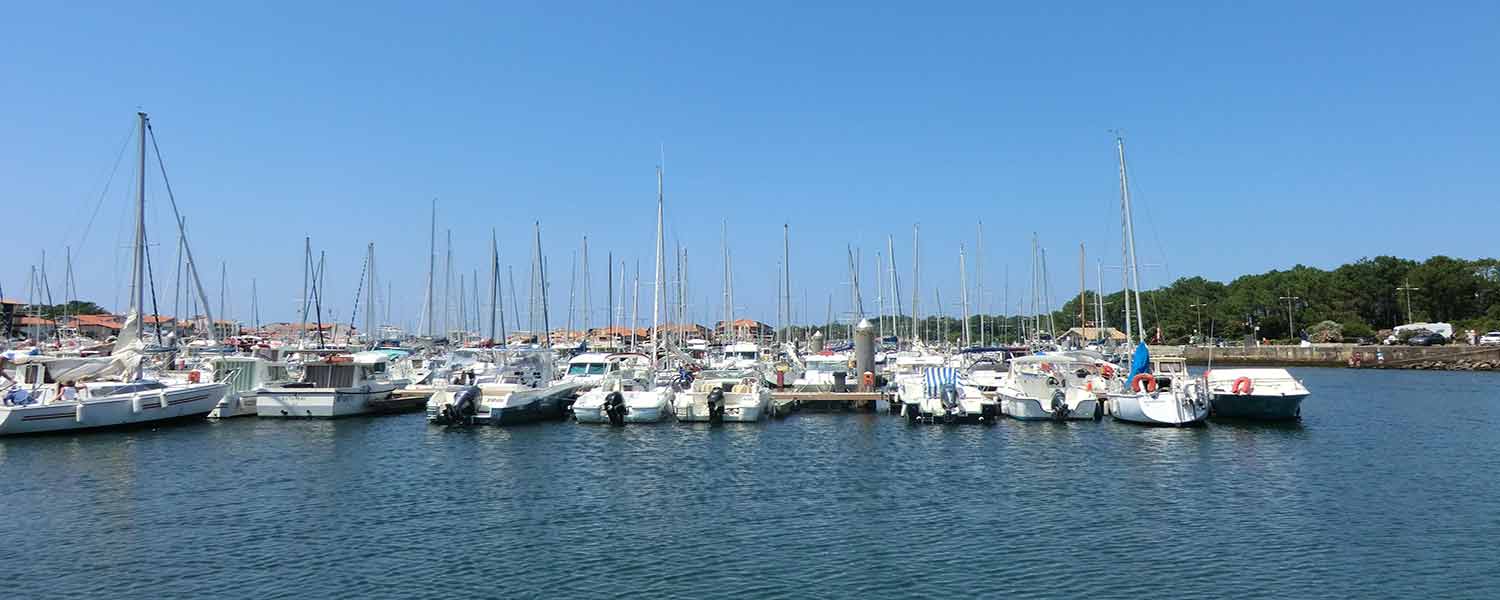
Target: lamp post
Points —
{"points": [[1408, 289], [1290, 324], [1198, 312]]}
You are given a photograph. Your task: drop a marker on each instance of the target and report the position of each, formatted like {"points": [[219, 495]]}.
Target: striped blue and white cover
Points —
{"points": [[938, 377]]}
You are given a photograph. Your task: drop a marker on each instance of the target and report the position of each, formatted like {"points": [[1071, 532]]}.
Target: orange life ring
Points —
{"points": [[1107, 372], [868, 378], [1150, 383], [1244, 384]]}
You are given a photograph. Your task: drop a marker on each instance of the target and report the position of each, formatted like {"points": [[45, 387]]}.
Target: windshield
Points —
{"points": [[586, 369], [744, 355]]}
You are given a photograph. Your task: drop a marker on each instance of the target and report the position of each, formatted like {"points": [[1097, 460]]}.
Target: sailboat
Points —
{"points": [[115, 391], [1160, 391]]}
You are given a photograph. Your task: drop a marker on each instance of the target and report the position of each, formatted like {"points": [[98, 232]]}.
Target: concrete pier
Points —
{"points": [[1452, 356]]}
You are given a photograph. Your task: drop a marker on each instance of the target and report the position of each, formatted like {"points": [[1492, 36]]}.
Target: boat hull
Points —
{"points": [[738, 408], [235, 404], [321, 403], [1165, 409], [1031, 409], [126, 410], [1258, 407]]}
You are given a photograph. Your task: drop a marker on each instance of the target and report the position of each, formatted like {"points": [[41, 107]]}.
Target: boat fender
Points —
{"points": [[1059, 405], [614, 408], [136, 405], [1242, 385], [194, 376], [1107, 372], [162, 398], [78, 413], [1143, 380], [716, 405]]}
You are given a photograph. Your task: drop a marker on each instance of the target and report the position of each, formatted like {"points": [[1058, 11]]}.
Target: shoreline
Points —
{"points": [[1453, 357]]}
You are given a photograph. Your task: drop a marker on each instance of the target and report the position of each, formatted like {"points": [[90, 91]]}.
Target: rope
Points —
{"points": [[358, 291], [151, 280]]}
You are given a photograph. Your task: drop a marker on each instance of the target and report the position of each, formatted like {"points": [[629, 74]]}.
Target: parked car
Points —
{"points": [[1490, 339], [1426, 339]]}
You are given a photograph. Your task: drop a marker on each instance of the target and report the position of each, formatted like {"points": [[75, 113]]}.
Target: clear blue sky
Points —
{"points": [[1261, 135]]}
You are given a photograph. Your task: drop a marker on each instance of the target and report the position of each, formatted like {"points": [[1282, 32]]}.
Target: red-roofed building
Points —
{"points": [[96, 326], [36, 327], [746, 329]]}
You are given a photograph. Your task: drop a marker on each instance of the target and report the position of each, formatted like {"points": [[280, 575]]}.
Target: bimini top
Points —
{"points": [[373, 357], [938, 378]]}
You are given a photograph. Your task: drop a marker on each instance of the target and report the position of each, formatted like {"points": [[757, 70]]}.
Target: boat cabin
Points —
{"points": [[344, 370], [245, 373]]}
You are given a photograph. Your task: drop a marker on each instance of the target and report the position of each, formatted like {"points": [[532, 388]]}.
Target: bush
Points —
{"points": [[1358, 329], [1325, 332]]}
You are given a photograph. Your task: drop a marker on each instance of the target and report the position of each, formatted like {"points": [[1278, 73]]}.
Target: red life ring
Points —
{"points": [[1107, 372], [1242, 385], [1136, 383], [194, 376]]}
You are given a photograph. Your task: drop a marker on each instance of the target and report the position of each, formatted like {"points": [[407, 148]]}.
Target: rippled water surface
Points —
{"points": [[1390, 486]]}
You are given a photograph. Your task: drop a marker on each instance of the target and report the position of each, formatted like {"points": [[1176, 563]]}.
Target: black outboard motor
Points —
{"points": [[465, 404], [716, 405], [1059, 405], [949, 397], [614, 408]]}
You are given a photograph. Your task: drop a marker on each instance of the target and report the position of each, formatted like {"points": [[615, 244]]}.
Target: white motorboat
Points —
{"points": [[629, 395], [247, 377], [334, 386], [588, 370], [1262, 394], [908, 378], [734, 396], [1167, 395], [819, 371], [946, 398], [1054, 387], [522, 393]]}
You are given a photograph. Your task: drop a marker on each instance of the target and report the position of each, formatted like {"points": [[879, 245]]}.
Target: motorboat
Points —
{"points": [[630, 394], [739, 355], [1261, 394], [522, 393], [247, 377], [1163, 395], [908, 378], [946, 398], [588, 369], [1055, 387], [820, 371], [333, 386], [726, 396]]}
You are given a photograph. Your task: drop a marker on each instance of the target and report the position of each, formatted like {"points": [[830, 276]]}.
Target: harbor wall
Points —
{"points": [[1455, 357]]}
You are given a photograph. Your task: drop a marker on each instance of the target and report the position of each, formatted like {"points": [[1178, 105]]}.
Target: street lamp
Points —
{"points": [[1198, 329], [1408, 289], [1290, 324]]}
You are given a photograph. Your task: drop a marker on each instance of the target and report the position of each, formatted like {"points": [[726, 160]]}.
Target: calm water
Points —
{"points": [[1389, 487]]}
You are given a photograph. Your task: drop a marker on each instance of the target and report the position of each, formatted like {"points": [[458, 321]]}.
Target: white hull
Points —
{"points": [[176, 402], [640, 406], [738, 408], [321, 403], [1165, 408], [235, 404], [1031, 409]]}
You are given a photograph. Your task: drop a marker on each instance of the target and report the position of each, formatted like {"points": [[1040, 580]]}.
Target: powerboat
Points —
{"points": [[333, 386], [628, 395], [908, 379], [247, 377], [727, 396], [1055, 387], [946, 398], [1262, 394], [523, 393]]}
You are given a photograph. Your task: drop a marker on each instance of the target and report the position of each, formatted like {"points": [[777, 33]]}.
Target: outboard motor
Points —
{"points": [[465, 404], [1059, 405], [614, 408], [716, 405], [951, 407]]}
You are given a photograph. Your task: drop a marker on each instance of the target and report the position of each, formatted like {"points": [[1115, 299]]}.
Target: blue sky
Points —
{"points": [[1260, 135]]}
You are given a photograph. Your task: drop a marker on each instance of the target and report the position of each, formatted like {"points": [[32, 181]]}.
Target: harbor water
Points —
{"points": [[1389, 487]]}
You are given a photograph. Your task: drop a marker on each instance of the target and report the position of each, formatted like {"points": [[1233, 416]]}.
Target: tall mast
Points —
{"points": [[1083, 287], [587, 320], [916, 286], [1099, 302], [890, 249], [431, 267], [306, 278], [609, 294], [786, 277], [635, 306], [724, 247], [1127, 248], [515, 306], [572, 288], [254, 306], [979, 277], [963, 293], [541, 266], [658, 280], [448, 285], [494, 283], [879, 297], [138, 268], [370, 296]]}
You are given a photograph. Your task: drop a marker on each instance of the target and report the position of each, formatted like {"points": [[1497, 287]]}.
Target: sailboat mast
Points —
{"points": [[1135, 273], [658, 279], [916, 286], [890, 250], [1127, 243], [541, 265], [431, 266], [786, 277], [587, 321], [724, 248], [138, 262], [963, 293], [494, 283]]}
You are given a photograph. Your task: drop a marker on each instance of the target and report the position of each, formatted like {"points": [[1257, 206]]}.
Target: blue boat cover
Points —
{"points": [[1141, 362], [939, 377]]}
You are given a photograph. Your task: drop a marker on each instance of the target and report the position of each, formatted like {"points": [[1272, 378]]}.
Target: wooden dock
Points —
{"points": [[829, 401]]}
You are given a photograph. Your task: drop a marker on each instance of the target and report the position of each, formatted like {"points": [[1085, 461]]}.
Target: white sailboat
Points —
{"points": [[114, 392], [1169, 395]]}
